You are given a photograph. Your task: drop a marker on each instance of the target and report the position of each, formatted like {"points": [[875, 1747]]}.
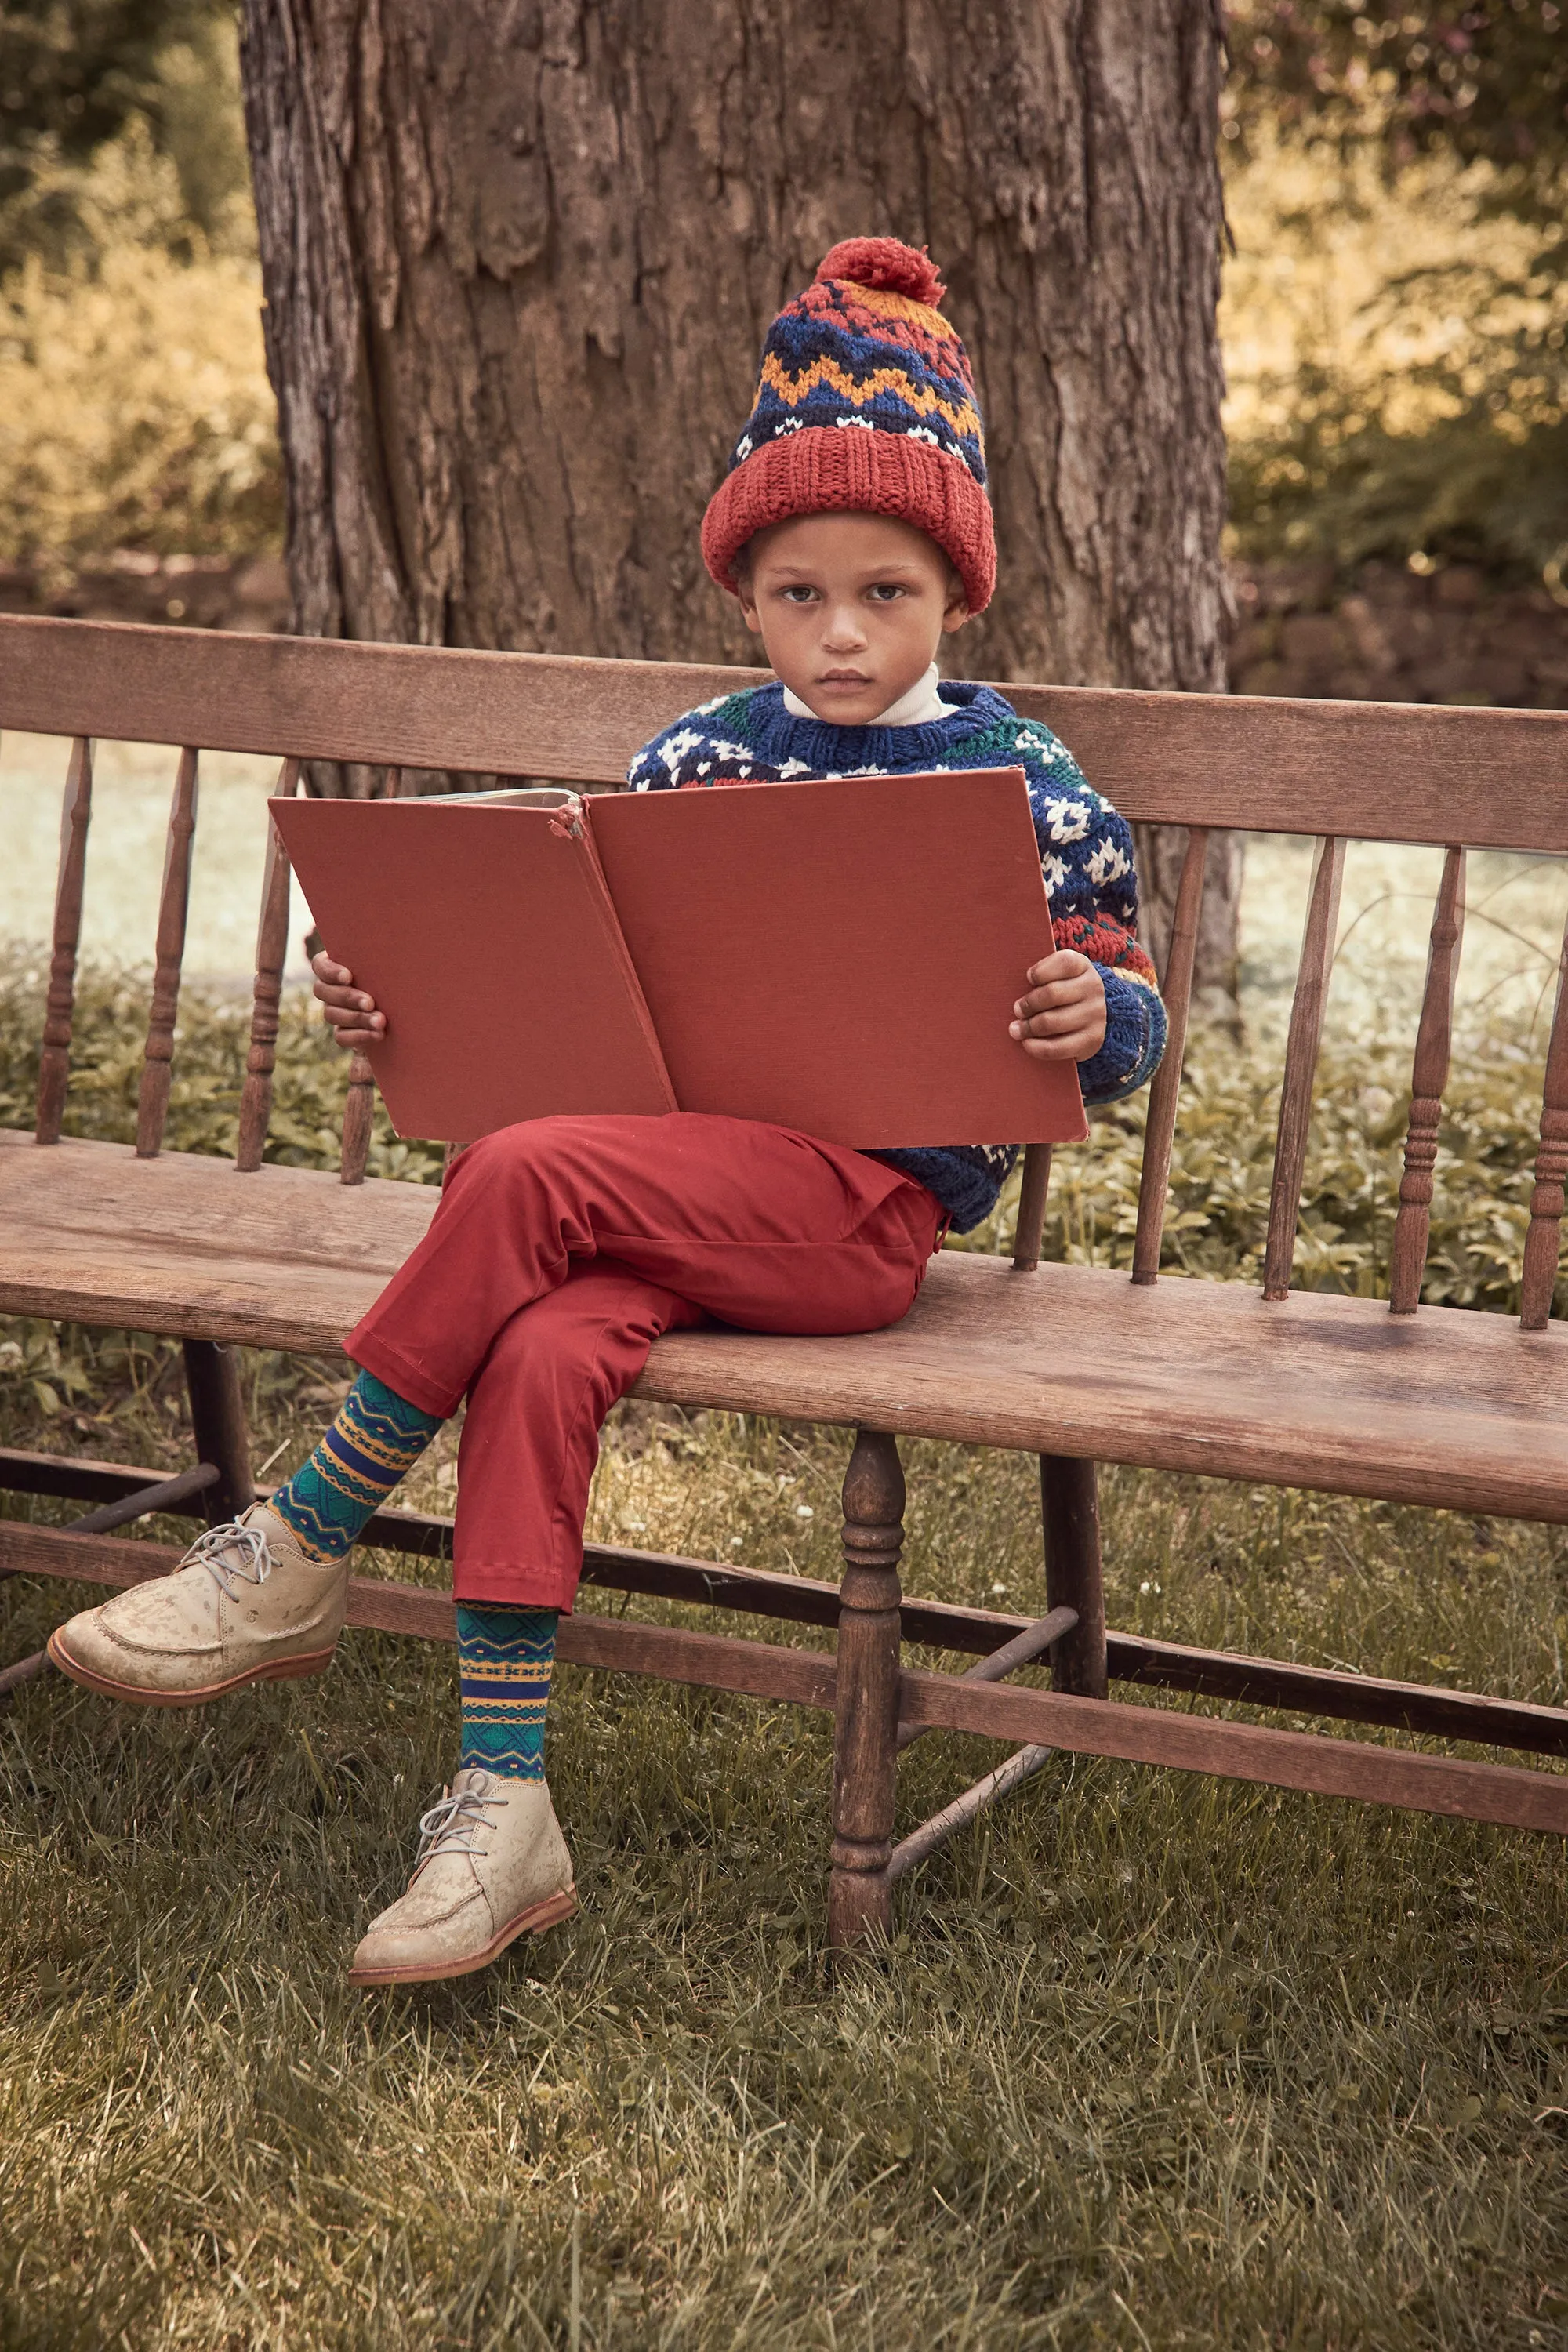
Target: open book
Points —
{"points": [[841, 958]]}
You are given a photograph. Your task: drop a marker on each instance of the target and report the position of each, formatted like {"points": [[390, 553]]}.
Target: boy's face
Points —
{"points": [[850, 609]]}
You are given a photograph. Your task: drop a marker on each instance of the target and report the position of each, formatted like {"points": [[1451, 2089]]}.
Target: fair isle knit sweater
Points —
{"points": [[1086, 855]]}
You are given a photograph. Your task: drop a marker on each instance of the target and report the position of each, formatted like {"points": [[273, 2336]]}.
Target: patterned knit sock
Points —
{"points": [[376, 1439], [504, 1658]]}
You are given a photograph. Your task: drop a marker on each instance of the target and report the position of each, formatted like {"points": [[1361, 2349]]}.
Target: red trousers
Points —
{"points": [[562, 1248]]}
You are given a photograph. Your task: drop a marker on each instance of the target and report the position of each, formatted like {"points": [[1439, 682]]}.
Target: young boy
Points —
{"points": [[853, 526]]}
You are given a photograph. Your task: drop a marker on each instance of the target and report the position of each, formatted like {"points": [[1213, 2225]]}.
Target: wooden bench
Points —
{"points": [[1419, 1404]]}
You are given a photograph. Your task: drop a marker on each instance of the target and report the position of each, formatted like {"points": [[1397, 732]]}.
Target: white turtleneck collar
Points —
{"points": [[922, 706]]}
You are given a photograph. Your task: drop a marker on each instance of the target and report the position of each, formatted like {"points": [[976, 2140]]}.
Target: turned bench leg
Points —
{"points": [[866, 1729], [1070, 1510], [217, 1423]]}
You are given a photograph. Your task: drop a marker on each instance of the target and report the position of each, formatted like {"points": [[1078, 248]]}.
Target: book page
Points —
{"points": [[844, 957], [486, 936]]}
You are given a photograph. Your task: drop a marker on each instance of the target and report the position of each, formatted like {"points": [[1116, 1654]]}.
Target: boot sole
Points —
{"points": [[531, 1922], [276, 1670]]}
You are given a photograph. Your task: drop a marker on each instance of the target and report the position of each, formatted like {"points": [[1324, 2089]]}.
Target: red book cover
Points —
{"points": [[487, 937], [837, 957]]}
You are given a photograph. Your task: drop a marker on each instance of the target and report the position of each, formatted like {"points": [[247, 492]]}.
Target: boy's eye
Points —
{"points": [[886, 591], [799, 594]]}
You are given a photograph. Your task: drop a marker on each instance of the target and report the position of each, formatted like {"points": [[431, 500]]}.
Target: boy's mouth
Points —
{"points": [[843, 678]]}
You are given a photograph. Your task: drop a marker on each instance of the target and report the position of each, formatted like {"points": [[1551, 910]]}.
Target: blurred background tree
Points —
{"points": [[1485, 83], [1399, 184], [75, 74], [135, 413]]}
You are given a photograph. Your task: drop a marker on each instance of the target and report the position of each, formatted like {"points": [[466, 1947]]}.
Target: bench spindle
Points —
{"points": [[1542, 1241], [1429, 1076], [1029, 1230], [358, 1112], [271, 954], [218, 1427], [174, 903], [358, 1109], [60, 1005], [1160, 1130], [866, 1726], [1301, 1045]]}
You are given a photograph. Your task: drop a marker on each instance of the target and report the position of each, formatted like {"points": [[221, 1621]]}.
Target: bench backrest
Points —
{"points": [[1458, 777]]}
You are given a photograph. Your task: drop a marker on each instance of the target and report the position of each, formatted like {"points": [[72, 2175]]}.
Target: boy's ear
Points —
{"points": [[955, 613], [741, 573]]}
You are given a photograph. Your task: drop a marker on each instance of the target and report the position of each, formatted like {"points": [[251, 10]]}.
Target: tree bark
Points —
{"points": [[520, 255]]}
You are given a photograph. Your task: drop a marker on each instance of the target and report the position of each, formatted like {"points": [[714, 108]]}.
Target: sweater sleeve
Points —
{"points": [[1134, 1041], [1085, 856]]}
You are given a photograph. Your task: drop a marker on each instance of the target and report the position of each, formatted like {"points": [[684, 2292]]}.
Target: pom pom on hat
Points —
{"points": [[866, 405], [887, 267]]}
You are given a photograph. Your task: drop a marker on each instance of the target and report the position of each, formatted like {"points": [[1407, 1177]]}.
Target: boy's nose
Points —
{"points": [[843, 633]]}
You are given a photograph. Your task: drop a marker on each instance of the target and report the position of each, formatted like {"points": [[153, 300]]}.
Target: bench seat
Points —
{"points": [[1446, 1407]]}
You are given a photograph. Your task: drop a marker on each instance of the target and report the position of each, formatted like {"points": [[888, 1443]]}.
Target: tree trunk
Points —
{"points": [[520, 255]]}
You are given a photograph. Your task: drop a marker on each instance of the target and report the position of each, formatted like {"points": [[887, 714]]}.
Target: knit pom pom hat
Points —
{"points": [[864, 402]]}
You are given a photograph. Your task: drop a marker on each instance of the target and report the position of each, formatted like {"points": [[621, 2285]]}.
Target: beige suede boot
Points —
{"points": [[493, 1867], [245, 1605]]}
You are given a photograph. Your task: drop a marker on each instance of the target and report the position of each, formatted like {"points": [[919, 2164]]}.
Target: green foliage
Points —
{"points": [[1222, 1166], [183, 458], [76, 74], [1336, 482], [1427, 415], [211, 1042], [135, 407], [1483, 79]]}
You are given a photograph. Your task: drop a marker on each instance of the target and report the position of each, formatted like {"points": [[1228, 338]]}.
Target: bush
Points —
{"points": [[1337, 484], [1398, 358], [210, 1045], [135, 407], [1222, 1167]]}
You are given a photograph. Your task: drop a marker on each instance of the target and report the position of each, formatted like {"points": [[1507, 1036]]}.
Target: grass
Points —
{"points": [[1159, 2061]]}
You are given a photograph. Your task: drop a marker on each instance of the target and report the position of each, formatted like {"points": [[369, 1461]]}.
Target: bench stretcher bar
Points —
{"points": [[936, 1625], [1307, 1761]]}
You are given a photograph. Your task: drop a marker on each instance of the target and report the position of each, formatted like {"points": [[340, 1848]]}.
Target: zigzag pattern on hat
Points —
{"points": [[844, 356]]}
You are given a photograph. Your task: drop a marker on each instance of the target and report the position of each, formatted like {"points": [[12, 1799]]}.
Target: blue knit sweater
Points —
{"points": [[1086, 855]]}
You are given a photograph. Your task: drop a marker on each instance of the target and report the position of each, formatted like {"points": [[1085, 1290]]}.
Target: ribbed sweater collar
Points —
{"points": [[823, 749]]}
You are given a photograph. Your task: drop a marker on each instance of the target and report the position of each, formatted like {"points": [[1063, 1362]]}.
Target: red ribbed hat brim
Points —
{"points": [[830, 469]]}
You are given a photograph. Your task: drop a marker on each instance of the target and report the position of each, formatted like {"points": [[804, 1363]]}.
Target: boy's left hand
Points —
{"points": [[1062, 1018]]}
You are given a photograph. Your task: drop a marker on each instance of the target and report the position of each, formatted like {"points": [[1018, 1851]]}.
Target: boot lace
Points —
{"points": [[450, 1827], [229, 1551]]}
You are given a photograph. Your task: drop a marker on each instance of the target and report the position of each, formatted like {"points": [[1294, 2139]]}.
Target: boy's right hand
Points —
{"points": [[351, 1013]]}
